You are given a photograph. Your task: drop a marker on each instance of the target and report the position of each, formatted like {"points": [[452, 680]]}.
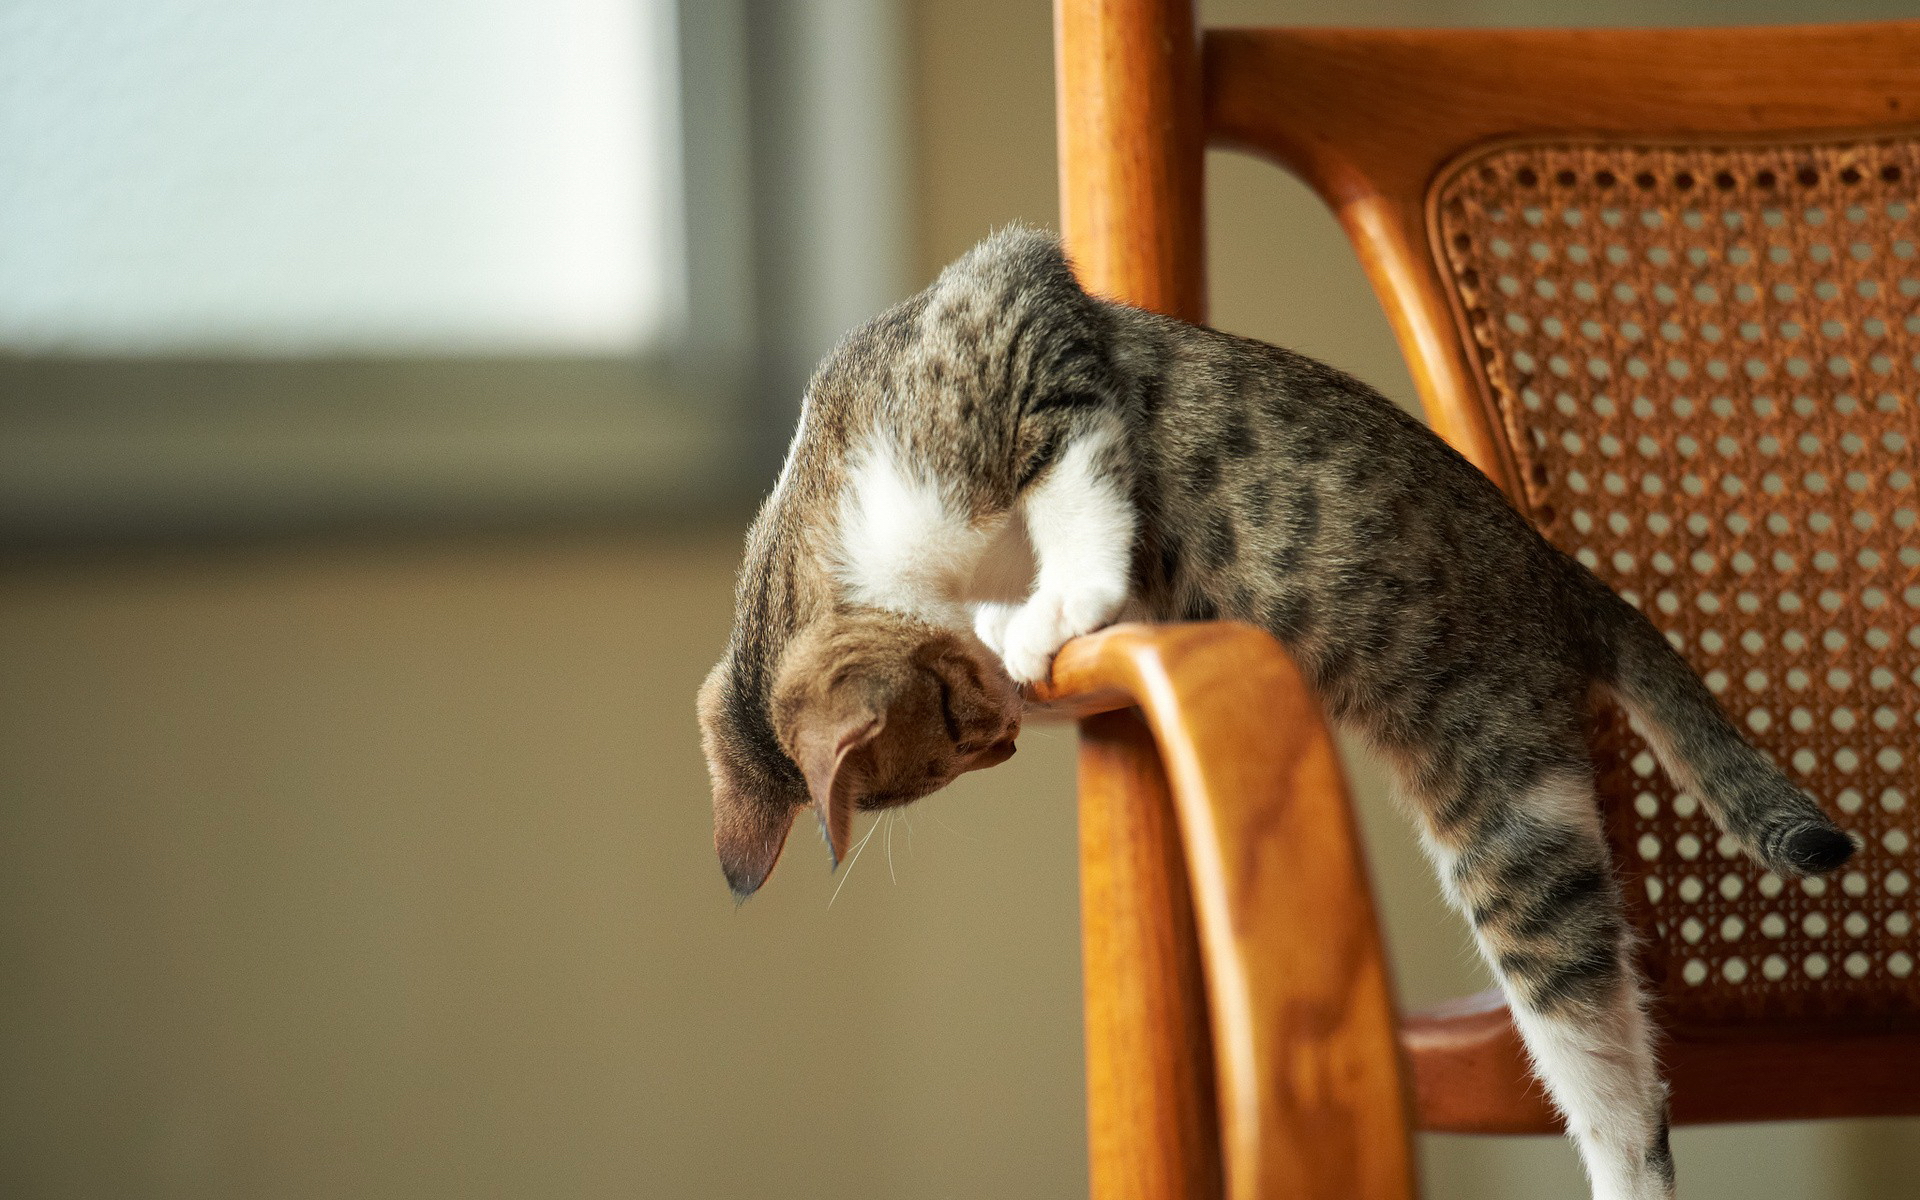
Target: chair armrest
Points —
{"points": [[1312, 1096]]}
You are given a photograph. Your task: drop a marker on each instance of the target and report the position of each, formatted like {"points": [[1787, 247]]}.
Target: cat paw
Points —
{"points": [[1047, 621], [990, 621]]}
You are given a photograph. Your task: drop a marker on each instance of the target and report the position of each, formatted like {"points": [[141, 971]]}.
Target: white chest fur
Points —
{"points": [[1026, 580], [903, 543]]}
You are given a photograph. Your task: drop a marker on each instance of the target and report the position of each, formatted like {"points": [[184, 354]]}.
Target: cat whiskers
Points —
{"points": [[852, 859], [951, 829], [890, 874]]}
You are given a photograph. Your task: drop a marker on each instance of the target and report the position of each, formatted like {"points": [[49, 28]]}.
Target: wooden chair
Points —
{"points": [[1661, 286]]}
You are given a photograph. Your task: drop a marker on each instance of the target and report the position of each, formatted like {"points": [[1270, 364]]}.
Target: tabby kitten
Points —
{"points": [[1004, 426]]}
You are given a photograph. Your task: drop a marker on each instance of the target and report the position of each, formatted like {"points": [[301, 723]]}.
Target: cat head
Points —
{"points": [[864, 711]]}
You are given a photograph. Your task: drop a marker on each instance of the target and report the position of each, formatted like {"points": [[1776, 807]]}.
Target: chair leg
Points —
{"points": [[1153, 1131]]}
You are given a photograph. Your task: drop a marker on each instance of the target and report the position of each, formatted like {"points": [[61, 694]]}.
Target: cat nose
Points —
{"points": [[995, 754]]}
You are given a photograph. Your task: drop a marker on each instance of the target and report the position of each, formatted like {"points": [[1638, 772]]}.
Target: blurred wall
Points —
{"points": [[383, 868], [368, 870]]}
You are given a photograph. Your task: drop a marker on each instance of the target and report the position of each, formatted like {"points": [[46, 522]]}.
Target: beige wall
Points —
{"points": [[384, 869], [387, 870]]}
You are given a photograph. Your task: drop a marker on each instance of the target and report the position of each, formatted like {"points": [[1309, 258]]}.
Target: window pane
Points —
{"points": [[314, 176]]}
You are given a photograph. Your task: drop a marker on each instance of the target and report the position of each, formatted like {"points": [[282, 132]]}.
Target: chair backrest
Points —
{"points": [[1661, 286]]}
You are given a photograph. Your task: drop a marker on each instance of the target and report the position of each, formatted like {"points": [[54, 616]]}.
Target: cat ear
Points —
{"points": [[824, 755], [749, 831]]}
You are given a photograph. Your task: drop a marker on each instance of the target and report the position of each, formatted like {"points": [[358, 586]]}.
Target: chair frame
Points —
{"points": [[1242, 1038]]}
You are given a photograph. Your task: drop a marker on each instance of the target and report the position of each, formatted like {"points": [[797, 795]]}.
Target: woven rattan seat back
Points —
{"points": [[1680, 323], [1704, 363]]}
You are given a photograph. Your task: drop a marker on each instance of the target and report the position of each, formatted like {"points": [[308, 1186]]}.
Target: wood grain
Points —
{"points": [[1470, 1073], [1153, 1130], [1131, 147], [1130, 178], [1311, 1093]]}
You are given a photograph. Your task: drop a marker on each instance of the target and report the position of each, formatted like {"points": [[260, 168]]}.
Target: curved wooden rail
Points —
{"points": [[1311, 1096]]}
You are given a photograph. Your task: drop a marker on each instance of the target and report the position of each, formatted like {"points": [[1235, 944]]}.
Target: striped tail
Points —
{"points": [[1776, 824]]}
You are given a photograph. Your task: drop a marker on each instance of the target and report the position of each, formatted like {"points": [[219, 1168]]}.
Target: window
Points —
{"points": [[337, 176], [325, 262]]}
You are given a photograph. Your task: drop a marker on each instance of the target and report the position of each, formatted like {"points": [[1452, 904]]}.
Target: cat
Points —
{"points": [[1004, 462]]}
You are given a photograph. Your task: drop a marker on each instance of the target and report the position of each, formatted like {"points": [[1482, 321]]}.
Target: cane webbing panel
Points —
{"points": [[1703, 362]]}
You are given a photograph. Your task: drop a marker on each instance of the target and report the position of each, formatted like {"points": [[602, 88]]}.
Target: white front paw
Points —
{"points": [[1047, 621], [990, 620]]}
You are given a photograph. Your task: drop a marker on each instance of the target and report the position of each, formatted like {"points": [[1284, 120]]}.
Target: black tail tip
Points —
{"points": [[1817, 849]]}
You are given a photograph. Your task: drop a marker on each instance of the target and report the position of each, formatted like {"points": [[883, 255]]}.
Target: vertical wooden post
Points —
{"points": [[1153, 1131], [1131, 143], [1131, 150]]}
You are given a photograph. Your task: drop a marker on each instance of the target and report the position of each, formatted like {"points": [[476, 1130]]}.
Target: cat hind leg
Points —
{"points": [[1534, 878]]}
